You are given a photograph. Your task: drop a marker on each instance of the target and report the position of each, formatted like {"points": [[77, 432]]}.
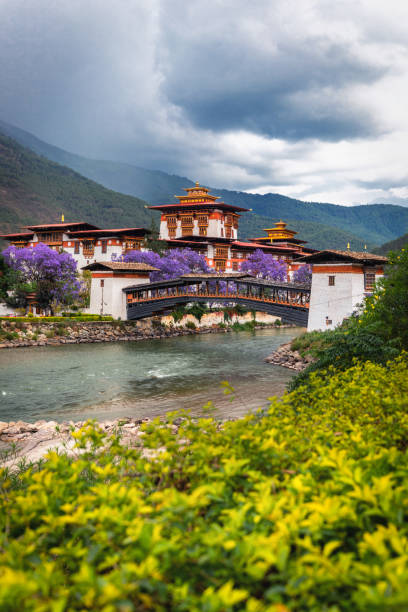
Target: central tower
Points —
{"points": [[198, 214]]}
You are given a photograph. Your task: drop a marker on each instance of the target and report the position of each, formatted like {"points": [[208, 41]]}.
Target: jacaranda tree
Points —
{"points": [[303, 275], [48, 273], [171, 264], [265, 266]]}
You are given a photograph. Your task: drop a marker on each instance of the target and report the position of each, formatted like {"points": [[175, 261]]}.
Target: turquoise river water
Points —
{"points": [[142, 379]]}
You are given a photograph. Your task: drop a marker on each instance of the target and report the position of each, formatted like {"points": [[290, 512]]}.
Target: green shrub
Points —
{"points": [[178, 313], [191, 325], [247, 326], [50, 333], [79, 317], [198, 309], [301, 508], [11, 335]]}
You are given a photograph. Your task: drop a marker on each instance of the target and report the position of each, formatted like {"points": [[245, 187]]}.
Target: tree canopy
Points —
{"points": [[172, 263], [263, 265], [48, 273]]}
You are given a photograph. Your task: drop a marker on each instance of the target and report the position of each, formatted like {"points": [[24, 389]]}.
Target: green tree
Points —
{"points": [[388, 305], [152, 241], [8, 280], [378, 333]]}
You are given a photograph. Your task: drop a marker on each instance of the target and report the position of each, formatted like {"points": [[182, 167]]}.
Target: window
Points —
{"points": [[76, 249], [104, 245], [187, 221], [369, 279], [172, 232], [332, 280], [202, 230], [235, 266], [102, 283]]}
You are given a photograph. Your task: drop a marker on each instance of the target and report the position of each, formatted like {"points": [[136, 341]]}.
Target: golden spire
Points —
{"points": [[62, 218], [365, 247], [348, 246]]}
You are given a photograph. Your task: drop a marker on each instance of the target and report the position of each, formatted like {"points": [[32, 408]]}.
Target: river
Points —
{"points": [[142, 379]]}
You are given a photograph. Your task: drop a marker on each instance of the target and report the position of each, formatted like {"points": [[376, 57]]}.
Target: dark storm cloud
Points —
{"points": [[284, 88]]}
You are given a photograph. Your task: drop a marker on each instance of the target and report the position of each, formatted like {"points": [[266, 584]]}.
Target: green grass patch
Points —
{"points": [[56, 319]]}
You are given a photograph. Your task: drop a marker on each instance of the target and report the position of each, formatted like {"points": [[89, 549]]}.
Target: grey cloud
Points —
{"points": [[294, 90], [159, 83], [383, 183]]}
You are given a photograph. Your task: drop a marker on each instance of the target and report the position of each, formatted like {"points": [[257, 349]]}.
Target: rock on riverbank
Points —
{"points": [[23, 443], [287, 358], [31, 441]]}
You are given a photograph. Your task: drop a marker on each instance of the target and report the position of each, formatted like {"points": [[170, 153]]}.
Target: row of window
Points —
{"points": [[369, 280]]}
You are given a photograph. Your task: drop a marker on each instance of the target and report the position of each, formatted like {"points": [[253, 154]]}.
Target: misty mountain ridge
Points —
{"points": [[323, 225]]}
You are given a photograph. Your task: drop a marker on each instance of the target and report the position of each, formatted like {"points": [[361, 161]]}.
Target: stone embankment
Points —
{"points": [[44, 334], [286, 357], [14, 334]]}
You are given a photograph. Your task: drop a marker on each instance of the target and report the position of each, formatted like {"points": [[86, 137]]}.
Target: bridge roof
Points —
{"points": [[240, 277], [332, 255], [120, 266]]}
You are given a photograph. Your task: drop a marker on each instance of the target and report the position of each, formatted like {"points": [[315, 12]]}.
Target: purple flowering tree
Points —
{"points": [[263, 265], [303, 275], [48, 273], [172, 263]]}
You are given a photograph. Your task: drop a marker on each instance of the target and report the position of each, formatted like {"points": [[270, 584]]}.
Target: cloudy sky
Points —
{"points": [[302, 97]]}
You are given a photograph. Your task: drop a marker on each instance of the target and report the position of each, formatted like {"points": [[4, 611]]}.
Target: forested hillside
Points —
{"points": [[34, 189], [317, 235], [32, 198], [393, 245]]}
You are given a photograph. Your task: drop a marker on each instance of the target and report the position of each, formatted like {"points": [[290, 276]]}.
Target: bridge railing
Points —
{"points": [[256, 293]]}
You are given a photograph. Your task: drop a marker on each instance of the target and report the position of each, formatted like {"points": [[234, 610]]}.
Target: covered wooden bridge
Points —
{"points": [[285, 300]]}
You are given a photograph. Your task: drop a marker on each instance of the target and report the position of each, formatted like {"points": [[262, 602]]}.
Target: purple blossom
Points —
{"points": [[265, 266], [172, 264], [303, 275], [52, 275]]}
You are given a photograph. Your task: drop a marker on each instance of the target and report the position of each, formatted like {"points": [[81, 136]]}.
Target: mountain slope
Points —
{"points": [[323, 225], [34, 189], [373, 223], [394, 245], [150, 185], [317, 235]]}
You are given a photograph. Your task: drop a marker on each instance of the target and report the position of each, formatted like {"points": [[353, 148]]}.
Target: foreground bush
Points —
{"points": [[304, 508]]}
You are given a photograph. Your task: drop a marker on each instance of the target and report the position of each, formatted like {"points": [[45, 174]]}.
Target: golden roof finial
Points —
{"points": [[62, 218], [348, 246], [365, 247], [197, 184]]}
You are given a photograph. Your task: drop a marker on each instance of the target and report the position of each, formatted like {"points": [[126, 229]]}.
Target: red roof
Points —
{"points": [[60, 225], [181, 206], [237, 243], [181, 241], [18, 235], [117, 230]]}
